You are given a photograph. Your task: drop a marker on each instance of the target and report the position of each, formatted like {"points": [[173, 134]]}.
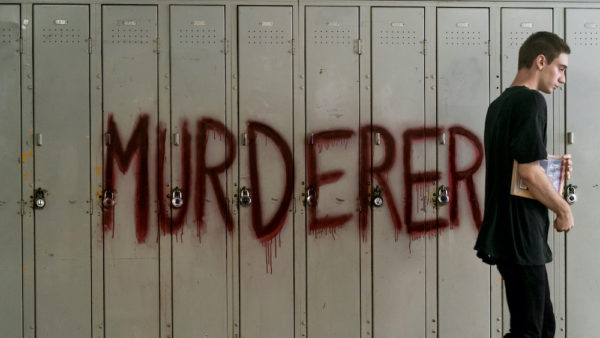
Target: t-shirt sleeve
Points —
{"points": [[528, 141]]}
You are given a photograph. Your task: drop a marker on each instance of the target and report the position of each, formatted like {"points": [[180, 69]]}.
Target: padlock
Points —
{"points": [[376, 198], [108, 199], [310, 198], [39, 198], [570, 194], [442, 196], [245, 198], [177, 198]]}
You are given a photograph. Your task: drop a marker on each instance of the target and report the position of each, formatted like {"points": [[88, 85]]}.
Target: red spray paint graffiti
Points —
{"points": [[412, 179], [138, 144], [202, 171], [379, 173], [464, 175], [320, 140], [174, 224], [266, 232]]}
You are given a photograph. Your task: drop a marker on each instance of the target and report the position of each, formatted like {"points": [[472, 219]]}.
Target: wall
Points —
{"points": [[313, 110]]}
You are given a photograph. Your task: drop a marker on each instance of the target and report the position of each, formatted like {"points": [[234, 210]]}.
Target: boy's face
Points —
{"points": [[552, 74]]}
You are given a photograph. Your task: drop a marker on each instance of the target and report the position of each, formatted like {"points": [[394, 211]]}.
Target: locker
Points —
{"points": [[198, 103], [582, 31], [463, 98], [62, 170], [332, 158], [131, 268], [266, 170], [10, 159], [398, 97]]}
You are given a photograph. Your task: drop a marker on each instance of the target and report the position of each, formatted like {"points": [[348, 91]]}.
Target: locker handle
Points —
{"points": [[443, 139], [40, 139], [244, 139], [377, 138], [107, 139], [176, 139], [570, 137]]}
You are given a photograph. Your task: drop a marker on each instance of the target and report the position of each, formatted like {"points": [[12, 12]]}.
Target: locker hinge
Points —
{"points": [[294, 205], [359, 47], [293, 51], [90, 45], [225, 46], [424, 42], [489, 47], [20, 45], [22, 212], [157, 51]]}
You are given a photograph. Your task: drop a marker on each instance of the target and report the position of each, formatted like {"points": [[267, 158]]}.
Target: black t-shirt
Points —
{"points": [[514, 229]]}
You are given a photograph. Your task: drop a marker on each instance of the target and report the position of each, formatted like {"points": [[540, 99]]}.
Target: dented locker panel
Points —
{"points": [[332, 166], [62, 170], [398, 64], [198, 142], [265, 71], [130, 117], [10, 167], [582, 35], [463, 98]]}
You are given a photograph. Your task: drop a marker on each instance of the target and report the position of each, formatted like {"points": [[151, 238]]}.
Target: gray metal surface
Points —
{"points": [[10, 167], [131, 250], [265, 96], [332, 101], [582, 32], [463, 97], [398, 63], [62, 160], [199, 245]]}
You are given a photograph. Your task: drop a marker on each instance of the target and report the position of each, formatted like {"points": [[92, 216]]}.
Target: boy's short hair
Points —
{"points": [[548, 44]]}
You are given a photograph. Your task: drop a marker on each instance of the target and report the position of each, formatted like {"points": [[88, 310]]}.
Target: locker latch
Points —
{"points": [[442, 196], [376, 197], [570, 193], [177, 198], [245, 198], [39, 200]]}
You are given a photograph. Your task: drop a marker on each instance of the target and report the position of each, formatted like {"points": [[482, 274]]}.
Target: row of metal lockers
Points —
{"points": [[273, 170]]}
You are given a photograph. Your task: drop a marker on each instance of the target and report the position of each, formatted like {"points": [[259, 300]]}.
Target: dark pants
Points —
{"points": [[528, 298]]}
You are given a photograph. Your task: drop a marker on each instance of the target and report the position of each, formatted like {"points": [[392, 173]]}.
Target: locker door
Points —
{"points": [[10, 194], [398, 112], [332, 158], [517, 25], [463, 98], [266, 169], [130, 225], [197, 114], [62, 170], [582, 32]]}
